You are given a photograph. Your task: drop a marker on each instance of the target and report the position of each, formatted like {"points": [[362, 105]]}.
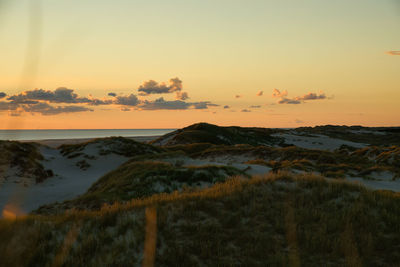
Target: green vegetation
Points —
{"points": [[335, 164], [25, 157], [117, 145], [215, 215], [213, 134], [142, 179], [277, 220], [387, 136]]}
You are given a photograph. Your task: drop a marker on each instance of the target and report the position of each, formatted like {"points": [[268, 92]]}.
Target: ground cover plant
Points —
{"points": [[138, 179], [277, 220], [24, 159]]}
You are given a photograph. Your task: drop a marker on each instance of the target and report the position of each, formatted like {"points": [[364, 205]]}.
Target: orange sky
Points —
{"points": [[337, 53]]}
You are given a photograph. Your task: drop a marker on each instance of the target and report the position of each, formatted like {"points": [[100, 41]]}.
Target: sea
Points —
{"points": [[79, 133]]}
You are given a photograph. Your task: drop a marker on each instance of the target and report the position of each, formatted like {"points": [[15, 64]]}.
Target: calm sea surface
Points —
{"points": [[72, 134]]}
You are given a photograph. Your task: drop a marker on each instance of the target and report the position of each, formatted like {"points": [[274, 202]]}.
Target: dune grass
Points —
{"points": [[213, 134], [25, 157], [276, 220], [139, 179], [117, 145]]}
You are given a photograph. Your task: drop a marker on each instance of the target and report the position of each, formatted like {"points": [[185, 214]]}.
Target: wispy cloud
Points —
{"points": [[162, 104], [46, 109], [245, 110], [260, 93], [311, 96], [393, 53], [288, 101], [238, 96], [283, 99]]}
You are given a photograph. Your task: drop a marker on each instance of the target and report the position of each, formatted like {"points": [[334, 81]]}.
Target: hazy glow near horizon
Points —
{"points": [[333, 62]]}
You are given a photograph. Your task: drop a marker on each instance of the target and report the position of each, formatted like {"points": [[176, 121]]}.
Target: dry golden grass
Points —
{"points": [[274, 220]]}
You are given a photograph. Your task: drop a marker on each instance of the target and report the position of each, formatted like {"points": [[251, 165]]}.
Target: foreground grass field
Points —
{"points": [[276, 220]]}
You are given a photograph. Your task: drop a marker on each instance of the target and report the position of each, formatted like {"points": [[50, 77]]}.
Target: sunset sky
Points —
{"points": [[167, 64]]}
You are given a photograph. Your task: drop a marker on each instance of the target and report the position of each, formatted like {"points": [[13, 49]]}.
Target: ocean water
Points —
{"points": [[73, 134]]}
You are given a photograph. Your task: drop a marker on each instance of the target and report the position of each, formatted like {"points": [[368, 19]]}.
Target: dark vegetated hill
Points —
{"points": [[116, 145], [378, 136], [278, 220], [209, 133], [138, 179], [191, 149], [25, 157]]}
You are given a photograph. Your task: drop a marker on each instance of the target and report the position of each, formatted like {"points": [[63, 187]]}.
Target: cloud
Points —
{"points": [[182, 95], [226, 106], [130, 100], [288, 101], [153, 87], [98, 102], [311, 96], [2, 95], [277, 93], [46, 109], [283, 99], [255, 106], [393, 53], [40, 101], [260, 93], [8, 106], [245, 110], [203, 105], [238, 96], [60, 95], [161, 103], [298, 121]]}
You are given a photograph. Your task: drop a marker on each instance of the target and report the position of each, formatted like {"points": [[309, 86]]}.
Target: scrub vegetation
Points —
{"points": [[276, 220]]}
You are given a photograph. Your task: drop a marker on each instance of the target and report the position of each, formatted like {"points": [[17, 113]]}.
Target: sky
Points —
{"points": [[167, 64]]}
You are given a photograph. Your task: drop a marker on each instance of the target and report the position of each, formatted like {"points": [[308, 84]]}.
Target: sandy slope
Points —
{"points": [[68, 182], [322, 142]]}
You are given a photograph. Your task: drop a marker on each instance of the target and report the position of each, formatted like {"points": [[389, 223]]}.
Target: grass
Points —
{"points": [[277, 220], [213, 134], [389, 137], [117, 145], [336, 164], [25, 157], [142, 179]]}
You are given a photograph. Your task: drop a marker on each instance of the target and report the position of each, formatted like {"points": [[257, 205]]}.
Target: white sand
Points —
{"points": [[69, 180], [321, 142]]}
